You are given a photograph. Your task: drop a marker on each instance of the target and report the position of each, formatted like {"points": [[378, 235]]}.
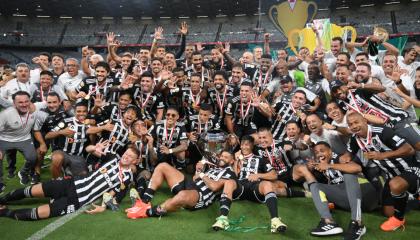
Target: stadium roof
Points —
{"points": [[159, 8]]}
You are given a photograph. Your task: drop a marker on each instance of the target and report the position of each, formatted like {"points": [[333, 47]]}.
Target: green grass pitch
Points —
{"points": [[298, 213]]}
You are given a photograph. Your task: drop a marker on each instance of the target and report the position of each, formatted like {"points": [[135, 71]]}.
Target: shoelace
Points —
{"points": [[233, 226]]}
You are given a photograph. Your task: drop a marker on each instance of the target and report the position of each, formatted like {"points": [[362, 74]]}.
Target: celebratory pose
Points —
{"points": [[69, 195]]}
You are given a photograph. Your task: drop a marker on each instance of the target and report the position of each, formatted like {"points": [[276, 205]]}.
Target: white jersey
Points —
{"points": [[69, 83], [13, 86], [17, 128]]}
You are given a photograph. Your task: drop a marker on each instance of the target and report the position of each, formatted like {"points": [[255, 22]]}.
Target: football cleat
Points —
{"points": [[277, 225], [222, 223], [139, 210], [392, 224], [134, 196]]}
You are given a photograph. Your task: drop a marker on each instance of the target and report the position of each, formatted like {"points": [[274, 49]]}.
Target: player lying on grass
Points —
{"points": [[68, 195], [255, 175], [194, 194]]}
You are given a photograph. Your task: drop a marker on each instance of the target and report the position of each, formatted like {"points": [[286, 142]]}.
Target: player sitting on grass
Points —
{"points": [[254, 174], [69, 195], [194, 194]]}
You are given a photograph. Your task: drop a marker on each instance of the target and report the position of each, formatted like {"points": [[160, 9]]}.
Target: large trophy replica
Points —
{"points": [[383, 36], [292, 14]]}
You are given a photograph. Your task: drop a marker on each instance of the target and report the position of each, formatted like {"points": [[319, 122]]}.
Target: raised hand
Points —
{"points": [[227, 47], [199, 47], [110, 38], [99, 100], [396, 74], [85, 51], [158, 33], [184, 28], [266, 37], [101, 146]]}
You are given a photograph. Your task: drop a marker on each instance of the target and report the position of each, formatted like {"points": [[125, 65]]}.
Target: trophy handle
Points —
{"points": [[353, 32], [290, 36], [275, 21], [315, 6]]}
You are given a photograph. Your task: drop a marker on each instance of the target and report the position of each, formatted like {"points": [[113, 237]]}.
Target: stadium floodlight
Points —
{"points": [[367, 5], [394, 2], [42, 16]]}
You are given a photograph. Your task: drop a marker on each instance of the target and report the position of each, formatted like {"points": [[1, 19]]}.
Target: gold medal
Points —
{"points": [[87, 121], [103, 170], [142, 111], [61, 125], [87, 97], [122, 186]]}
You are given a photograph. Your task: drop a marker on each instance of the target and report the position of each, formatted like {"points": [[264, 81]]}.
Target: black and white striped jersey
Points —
{"points": [[253, 165], [259, 79], [118, 138], [383, 139], [218, 100], [285, 112], [91, 87], [38, 95], [170, 137], [207, 196], [76, 144], [332, 176], [370, 103], [276, 156], [195, 125], [108, 177], [148, 103], [145, 163], [205, 74], [242, 113], [188, 99], [111, 112]]}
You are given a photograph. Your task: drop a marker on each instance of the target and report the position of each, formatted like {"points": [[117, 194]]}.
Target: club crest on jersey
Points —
{"points": [[61, 125], [375, 143]]}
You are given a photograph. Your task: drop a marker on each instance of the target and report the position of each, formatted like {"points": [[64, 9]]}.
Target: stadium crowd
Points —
{"points": [[338, 126]]}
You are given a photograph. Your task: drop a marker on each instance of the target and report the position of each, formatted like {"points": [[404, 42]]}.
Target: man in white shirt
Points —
{"points": [[20, 83], [16, 124], [408, 62], [43, 61], [69, 80]]}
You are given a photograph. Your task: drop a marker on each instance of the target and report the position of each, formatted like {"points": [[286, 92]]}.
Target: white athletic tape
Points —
{"points": [[54, 225]]}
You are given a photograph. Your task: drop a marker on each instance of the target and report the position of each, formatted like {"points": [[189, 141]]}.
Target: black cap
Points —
{"points": [[285, 79], [335, 84]]}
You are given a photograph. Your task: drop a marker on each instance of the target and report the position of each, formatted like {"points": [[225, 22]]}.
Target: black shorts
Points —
{"points": [[63, 196], [286, 177], [413, 179], [247, 190], [186, 184], [242, 131], [412, 176]]}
